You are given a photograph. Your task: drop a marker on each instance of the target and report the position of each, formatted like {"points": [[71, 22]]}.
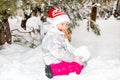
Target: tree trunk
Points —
{"points": [[117, 9], [23, 23], [94, 13], [2, 34], [117, 5], [5, 34]]}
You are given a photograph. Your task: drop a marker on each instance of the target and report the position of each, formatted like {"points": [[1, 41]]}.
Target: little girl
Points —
{"points": [[61, 58]]}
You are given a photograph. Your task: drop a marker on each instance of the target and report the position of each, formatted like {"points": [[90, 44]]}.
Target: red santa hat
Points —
{"points": [[58, 16]]}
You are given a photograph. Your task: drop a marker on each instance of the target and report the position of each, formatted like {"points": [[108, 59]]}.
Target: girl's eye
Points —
{"points": [[66, 24]]}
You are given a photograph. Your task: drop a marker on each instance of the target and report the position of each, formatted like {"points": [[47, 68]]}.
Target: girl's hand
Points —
{"points": [[78, 59]]}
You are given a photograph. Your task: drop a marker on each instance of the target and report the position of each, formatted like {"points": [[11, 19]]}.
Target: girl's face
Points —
{"points": [[63, 26]]}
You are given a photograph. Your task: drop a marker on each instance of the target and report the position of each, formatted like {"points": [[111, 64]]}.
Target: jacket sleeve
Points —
{"points": [[58, 49]]}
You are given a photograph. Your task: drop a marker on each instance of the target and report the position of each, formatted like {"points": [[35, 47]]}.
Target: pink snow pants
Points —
{"points": [[64, 68]]}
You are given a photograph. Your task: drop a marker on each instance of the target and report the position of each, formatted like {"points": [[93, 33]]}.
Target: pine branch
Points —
{"points": [[91, 25]]}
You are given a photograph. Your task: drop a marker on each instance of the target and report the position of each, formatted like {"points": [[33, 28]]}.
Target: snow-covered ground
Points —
{"points": [[22, 63]]}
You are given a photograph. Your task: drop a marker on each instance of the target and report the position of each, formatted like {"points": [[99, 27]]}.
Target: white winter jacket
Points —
{"points": [[56, 47]]}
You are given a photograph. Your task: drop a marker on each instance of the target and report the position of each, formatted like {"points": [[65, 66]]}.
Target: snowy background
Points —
{"points": [[19, 62]]}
